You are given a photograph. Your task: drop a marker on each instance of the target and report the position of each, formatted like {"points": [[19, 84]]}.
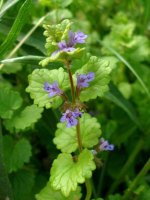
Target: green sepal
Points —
{"points": [[23, 119], [16, 153], [97, 87], [9, 102], [48, 193], [66, 173], [36, 86], [62, 56], [89, 129]]}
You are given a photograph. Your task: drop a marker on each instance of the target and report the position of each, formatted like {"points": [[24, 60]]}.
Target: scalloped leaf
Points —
{"points": [[16, 153], [66, 174], [9, 102], [48, 193], [62, 56], [23, 119], [102, 68], [36, 86], [89, 129]]}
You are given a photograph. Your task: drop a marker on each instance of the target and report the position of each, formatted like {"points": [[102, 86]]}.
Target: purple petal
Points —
{"points": [[62, 45], [80, 37], [90, 76]]}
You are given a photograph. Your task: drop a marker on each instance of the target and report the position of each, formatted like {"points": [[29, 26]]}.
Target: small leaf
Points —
{"points": [[66, 174], [48, 193], [55, 34], [90, 132], [16, 154], [24, 119], [98, 86], [9, 102], [62, 56], [36, 86]]}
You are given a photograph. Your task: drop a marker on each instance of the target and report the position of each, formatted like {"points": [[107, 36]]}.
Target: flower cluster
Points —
{"points": [[68, 46], [70, 117]]}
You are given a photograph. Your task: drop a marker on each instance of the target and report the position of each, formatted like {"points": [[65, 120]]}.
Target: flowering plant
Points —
{"points": [[78, 133]]}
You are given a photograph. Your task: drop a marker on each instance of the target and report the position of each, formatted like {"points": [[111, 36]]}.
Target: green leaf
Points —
{"points": [[16, 153], [7, 6], [62, 56], [9, 101], [90, 132], [16, 27], [48, 193], [36, 86], [130, 67], [23, 59], [101, 68], [22, 183], [115, 197], [66, 174], [23, 119]]}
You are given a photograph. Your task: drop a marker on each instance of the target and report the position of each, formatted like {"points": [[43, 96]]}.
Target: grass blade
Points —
{"points": [[127, 64], [6, 6], [16, 27], [116, 97]]}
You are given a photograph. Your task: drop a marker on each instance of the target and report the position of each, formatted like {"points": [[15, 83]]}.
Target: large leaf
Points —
{"points": [[36, 86], [90, 132], [9, 101], [16, 27], [16, 153], [48, 193], [101, 68], [23, 119], [22, 183], [66, 174]]}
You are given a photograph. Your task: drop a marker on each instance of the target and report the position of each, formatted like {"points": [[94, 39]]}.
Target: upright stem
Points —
{"points": [[134, 183], [79, 136], [89, 189], [87, 182], [126, 166], [71, 82]]}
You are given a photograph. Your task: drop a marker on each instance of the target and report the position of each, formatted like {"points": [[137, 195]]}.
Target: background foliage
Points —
{"points": [[119, 31]]}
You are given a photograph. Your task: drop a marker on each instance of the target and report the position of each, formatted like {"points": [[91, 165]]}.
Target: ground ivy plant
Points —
{"points": [[78, 134]]}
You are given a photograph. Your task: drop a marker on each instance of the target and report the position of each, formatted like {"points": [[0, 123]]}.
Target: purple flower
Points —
{"points": [[52, 89], [84, 79], [71, 117], [74, 38], [105, 146]]}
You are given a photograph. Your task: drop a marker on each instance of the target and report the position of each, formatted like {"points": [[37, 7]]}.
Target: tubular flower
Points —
{"points": [[84, 79], [105, 146], [68, 46], [71, 117], [52, 89]]}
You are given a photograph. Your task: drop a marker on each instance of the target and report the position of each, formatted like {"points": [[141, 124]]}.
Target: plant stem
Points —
{"points": [[79, 136], [126, 166], [134, 183], [89, 189], [71, 82], [87, 181], [132, 157]]}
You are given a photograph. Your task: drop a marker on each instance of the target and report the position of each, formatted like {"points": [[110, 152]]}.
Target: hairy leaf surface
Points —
{"points": [[90, 132], [66, 174]]}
